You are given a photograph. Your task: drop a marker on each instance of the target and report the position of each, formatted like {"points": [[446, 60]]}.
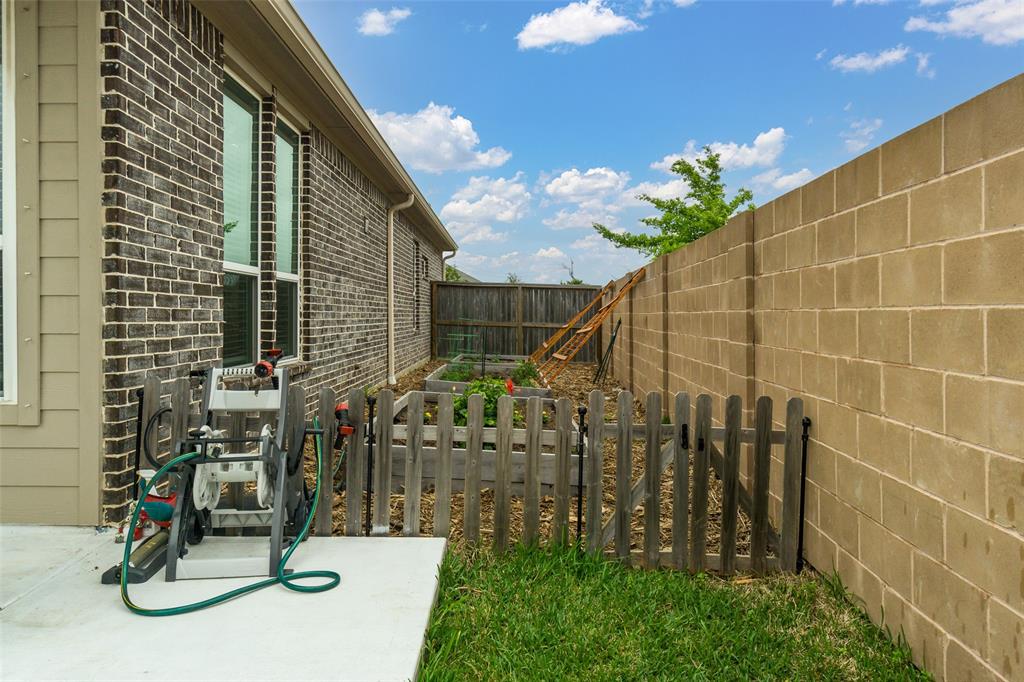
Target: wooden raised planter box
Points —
{"points": [[502, 366]]}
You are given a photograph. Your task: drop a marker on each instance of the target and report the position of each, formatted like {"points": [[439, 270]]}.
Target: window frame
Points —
{"points": [[280, 275], [9, 233]]}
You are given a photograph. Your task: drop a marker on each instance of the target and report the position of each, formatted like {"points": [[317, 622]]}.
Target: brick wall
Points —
{"points": [[889, 294], [163, 236]]}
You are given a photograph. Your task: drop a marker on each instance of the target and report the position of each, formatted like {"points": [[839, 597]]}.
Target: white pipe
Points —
{"points": [[391, 283]]}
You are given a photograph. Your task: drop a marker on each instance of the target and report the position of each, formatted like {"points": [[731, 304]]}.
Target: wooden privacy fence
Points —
{"points": [[508, 319], [535, 461]]}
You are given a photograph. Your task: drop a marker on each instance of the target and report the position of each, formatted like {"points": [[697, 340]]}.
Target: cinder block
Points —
{"points": [[818, 198], [986, 555], [913, 516], [819, 375], [949, 469], [800, 247], [986, 269], [836, 238], [986, 126], [773, 254], [1004, 200], [926, 641], [1006, 491], [835, 426], [959, 607], [787, 368], [913, 157], [786, 290], [859, 486], [963, 664], [989, 412], [882, 226], [913, 396], [839, 521], [837, 332], [764, 221], [862, 583], [886, 555], [860, 384], [787, 211], [857, 181], [885, 445], [948, 339], [1006, 640], [820, 548], [857, 283], [884, 335], [946, 209], [818, 287], [912, 277], [802, 330]]}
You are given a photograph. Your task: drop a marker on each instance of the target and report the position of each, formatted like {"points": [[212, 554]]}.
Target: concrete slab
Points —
{"points": [[371, 627]]}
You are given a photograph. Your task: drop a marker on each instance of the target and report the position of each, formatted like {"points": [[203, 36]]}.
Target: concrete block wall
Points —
{"points": [[889, 294]]}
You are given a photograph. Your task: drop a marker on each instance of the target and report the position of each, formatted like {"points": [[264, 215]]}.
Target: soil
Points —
{"points": [[575, 383]]}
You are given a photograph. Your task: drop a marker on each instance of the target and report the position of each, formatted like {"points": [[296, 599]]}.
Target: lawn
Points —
{"points": [[558, 614]]}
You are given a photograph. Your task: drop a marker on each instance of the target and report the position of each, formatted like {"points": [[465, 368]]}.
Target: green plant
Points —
{"points": [[491, 388], [525, 374], [452, 274], [459, 371], [703, 210]]}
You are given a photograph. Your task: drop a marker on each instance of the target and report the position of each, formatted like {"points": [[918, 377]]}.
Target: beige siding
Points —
{"points": [[49, 441]]}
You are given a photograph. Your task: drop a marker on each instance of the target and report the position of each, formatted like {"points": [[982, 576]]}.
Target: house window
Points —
{"points": [[286, 188], [416, 286], [8, 268], [241, 236]]}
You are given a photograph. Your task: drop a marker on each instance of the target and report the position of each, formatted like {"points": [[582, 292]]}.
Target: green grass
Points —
{"points": [[558, 614]]}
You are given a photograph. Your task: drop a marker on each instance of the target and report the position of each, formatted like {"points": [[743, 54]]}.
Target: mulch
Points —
{"points": [[575, 383]]}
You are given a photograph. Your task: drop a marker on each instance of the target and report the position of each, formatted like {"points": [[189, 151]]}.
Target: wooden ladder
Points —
{"points": [[554, 365], [538, 355]]}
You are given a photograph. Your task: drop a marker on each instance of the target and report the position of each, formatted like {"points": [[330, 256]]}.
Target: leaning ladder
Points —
{"points": [[555, 364], [538, 355]]}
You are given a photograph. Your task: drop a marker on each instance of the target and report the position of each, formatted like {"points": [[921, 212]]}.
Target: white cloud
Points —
{"points": [[773, 179], [820, 54], [550, 253], [861, 2], [676, 188], [764, 151], [435, 139], [997, 22], [578, 23], [581, 217], [684, 3], [473, 209], [589, 189], [923, 65], [374, 22], [849, 105], [861, 133], [869, 63]]}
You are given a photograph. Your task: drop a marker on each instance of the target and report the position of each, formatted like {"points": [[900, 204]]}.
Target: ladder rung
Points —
{"points": [[559, 356]]}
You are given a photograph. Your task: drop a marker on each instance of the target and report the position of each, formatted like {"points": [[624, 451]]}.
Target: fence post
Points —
{"points": [[519, 320], [324, 510], [595, 471], [413, 465], [759, 496], [652, 493], [563, 455], [353, 468], [471, 478], [382, 470], [730, 483], [791, 475], [623, 474], [531, 478], [443, 472], [503, 472], [681, 481], [701, 468]]}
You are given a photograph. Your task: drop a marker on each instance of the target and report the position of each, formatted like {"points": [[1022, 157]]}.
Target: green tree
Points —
{"points": [[703, 210], [513, 278], [452, 274]]}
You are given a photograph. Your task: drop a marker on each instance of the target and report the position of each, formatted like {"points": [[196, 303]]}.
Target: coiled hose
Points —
{"points": [[333, 579]]}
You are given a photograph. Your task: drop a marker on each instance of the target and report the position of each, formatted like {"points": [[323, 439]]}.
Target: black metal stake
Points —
{"points": [[140, 394], [582, 412], [806, 423], [371, 401]]}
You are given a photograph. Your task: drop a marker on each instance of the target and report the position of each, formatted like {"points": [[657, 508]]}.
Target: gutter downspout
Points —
{"points": [[444, 262], [391, 283]]}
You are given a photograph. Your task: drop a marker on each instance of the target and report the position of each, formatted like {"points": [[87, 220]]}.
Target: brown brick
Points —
{"points": [[913, 516], [882, 226], [912, 277], [884, 335], [818, 287], [986, 411], [837, 332], [949, 339], [836, 238], [857, 181], [800, 247], [884, 444], [1006, 491], [886, 555], [857, 283], [860, 385], [1006, 640], [787, 211], [986, 126], [959, 607], [1004, 200], [818, 198], [913, 396], [913, 157], [949, 469], [986, 555], [986, 269], [946, 209]]}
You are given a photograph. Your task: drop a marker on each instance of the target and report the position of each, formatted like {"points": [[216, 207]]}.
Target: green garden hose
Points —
{"points": [[333, 579]]}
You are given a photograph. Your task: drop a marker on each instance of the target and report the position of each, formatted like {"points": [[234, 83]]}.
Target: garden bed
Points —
{"points": [[457, 373]]}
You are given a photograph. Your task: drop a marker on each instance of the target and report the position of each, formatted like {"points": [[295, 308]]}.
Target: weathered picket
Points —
{"points": [[538, 462]]}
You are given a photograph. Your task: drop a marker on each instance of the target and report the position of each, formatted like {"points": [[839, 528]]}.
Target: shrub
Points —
{"points": [[525, 374], [460, 371], [491, 388]]}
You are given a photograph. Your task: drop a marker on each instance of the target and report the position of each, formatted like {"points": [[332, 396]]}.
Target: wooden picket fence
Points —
{"points": [[532, 461]]}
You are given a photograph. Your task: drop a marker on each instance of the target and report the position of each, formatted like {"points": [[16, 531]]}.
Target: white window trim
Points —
{"points": [[296, 276], [8, 239]]}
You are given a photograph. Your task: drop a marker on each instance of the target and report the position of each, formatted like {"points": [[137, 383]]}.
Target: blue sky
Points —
{"points": [[524, 122]]}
